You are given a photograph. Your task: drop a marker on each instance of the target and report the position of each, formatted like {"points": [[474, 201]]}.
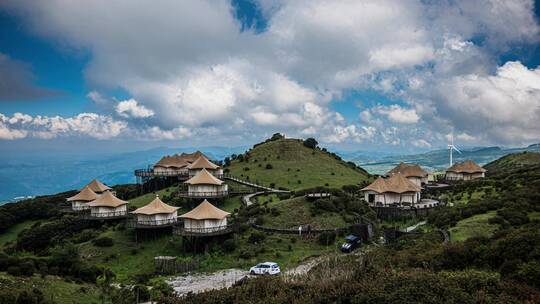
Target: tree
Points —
{"points": [[277, 136], [311, 143], [104, 284]]}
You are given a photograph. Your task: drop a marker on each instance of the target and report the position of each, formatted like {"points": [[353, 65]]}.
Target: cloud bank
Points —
{"points": [[190, 69]]}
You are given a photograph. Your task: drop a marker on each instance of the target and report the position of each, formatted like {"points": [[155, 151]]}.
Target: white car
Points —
{"points": [[267, 268]]}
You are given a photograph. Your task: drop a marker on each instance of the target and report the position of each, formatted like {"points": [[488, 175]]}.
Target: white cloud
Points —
{"points": [[86, 124], [202, 74], [130, 108], [504, 106], [397, 114]]}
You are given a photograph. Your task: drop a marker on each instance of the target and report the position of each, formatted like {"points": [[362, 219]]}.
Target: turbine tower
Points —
{"points": [[451, 147]]}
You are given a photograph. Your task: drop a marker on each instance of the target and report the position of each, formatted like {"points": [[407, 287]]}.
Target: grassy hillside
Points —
{"points": [[513, 161], [289, 164], [296, 211], [474, 226]]}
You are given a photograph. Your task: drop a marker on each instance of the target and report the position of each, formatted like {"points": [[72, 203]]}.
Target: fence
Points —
{"points": [[203, 194], [135, 223], [210, 231], [170, 265]]}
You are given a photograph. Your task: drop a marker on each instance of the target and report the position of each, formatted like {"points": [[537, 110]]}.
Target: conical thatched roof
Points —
{"points": [[86, 195], [204, 178], [467, 166], [205, 211], [98, 186], [408, 170], [107, 199], [203, 163], [157, 206], [396, 183], [175, 161], [191, 157]]}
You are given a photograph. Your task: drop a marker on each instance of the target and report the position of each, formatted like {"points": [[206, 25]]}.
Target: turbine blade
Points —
{"points": [[453, 147]]}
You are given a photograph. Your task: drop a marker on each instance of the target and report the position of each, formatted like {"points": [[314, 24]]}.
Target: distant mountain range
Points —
{"points": [[436, 160], [39, 174]]}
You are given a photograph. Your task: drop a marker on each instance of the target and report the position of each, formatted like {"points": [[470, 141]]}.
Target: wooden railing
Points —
{"points": [[135, 223], [219, 230], [151, 172], [104, 215], [203, 194]]}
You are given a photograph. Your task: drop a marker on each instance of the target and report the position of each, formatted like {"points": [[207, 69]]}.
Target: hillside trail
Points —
{"points": [[200, 282]]}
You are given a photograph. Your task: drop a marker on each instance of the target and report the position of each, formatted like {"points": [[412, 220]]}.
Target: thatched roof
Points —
{"points": [[86, 195], [107, 199], [174, 161], [191, 157], [467, 166], [97, 186], [203, 177], [157, 206], [205, 211], [408, 170], [396, 183], [203, 163]]}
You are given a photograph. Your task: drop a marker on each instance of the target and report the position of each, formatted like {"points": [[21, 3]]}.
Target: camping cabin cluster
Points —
{"points": [[98, 201], [402, 186]]}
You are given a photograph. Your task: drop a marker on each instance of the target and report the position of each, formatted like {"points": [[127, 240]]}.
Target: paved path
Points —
{"points": [[413, 227], [243, 182], [246, 199]]}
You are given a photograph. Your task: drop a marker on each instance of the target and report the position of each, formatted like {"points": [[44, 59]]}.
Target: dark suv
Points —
{"points": [[351, 243]]}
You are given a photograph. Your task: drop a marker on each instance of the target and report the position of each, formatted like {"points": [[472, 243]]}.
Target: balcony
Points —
{"points": [[151, 224], [104, 215], [201, 232], [201, 194]]}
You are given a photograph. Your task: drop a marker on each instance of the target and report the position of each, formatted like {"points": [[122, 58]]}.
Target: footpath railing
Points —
{"points": [[254, 185]]}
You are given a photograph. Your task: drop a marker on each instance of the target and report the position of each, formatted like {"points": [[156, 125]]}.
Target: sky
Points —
{"points": [[382, 75]]}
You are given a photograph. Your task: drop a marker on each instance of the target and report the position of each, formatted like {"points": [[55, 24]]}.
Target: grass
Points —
{"points": [[54, 288], [275, 248], [296, 211], [12, 233], [534, 215], [147, 198], [473, 226], [295, 167]]}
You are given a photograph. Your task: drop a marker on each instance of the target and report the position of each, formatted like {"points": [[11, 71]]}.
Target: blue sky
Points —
{"points": [[232, 73]]}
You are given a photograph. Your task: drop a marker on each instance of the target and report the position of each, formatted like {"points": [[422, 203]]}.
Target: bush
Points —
{"points": [[256, 237], [326, 238], [103, 242], [85, 236], [229, 245], [310, 143], [14, 270], [268, 166]]}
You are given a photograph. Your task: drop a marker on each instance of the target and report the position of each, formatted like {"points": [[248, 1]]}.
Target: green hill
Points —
{"points": [[287, 163], [513, 161]]}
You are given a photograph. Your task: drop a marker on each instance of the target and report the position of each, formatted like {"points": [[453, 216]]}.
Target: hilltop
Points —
{"points": [[513, 161], [288, 163]]}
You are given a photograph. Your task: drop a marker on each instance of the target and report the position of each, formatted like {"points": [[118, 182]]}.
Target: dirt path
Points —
{"points": [[197, 283]]}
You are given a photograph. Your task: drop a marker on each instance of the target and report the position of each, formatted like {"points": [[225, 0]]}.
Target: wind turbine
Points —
{"points": [[451, 147]]}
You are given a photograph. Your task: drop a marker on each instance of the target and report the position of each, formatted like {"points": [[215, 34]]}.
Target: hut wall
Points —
{"points": [[106, 211], [169, 170], [79, 205], [207, 224], [157, 219], [207, 188]]}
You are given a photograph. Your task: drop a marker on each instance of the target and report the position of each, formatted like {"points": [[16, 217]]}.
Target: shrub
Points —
{"points": [[268, 166], [14, 270], [229, 245], [256, 237], [310, 143], [85, 236], [326, 238], [103, 242]]}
